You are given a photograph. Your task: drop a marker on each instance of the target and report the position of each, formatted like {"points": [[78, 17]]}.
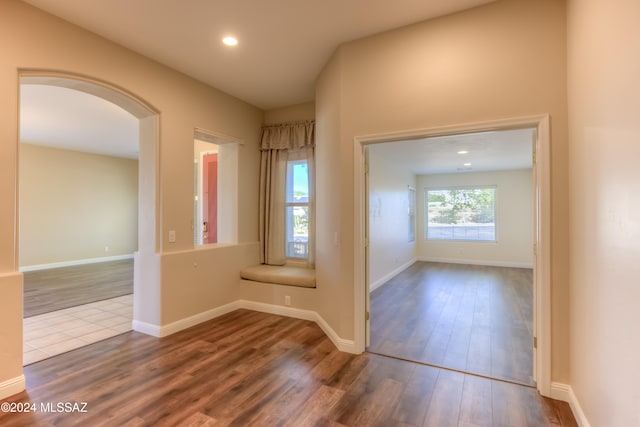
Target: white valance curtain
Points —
{"points": [[279, 144]]}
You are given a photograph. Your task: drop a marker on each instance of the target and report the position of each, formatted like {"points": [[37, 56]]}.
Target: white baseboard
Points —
{"points": [[297, 313], [581, 418], [12, 386], [384, 279], [342, 344], [75, 262], [146, 328], [187, 322], [478, 262], [560, 391], [565, 393]]}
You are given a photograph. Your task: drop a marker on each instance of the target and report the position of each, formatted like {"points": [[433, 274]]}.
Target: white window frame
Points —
{"points": [[452, 239], [289, 238]]}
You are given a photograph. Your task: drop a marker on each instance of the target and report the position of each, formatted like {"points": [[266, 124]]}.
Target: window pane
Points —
{"points": [[297, 182], [297, 231], [297, 209], [461, 214]]}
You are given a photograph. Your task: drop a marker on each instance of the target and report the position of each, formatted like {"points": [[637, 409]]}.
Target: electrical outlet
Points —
{"points": [[287, 300], [106, 248], [172, 236]]}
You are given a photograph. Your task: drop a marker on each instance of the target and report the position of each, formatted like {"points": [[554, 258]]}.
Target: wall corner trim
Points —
{"points": [[146, 328], [381, 281], [565, 393], [342, 344], [12, 386]]}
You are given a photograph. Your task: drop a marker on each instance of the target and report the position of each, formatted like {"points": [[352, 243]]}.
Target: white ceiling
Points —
{"points": [[283, 44], [497, 150], [73, 120]]}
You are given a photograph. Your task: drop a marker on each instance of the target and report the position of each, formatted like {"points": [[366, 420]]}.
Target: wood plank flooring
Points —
{"points": [[474, 319], [60, 288], [254, 369]]}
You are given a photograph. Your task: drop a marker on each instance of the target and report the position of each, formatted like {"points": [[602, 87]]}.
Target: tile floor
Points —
{"points": [[49, 334]]}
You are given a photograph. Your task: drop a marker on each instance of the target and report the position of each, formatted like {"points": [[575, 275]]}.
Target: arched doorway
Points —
{"points": [[146, 282]]}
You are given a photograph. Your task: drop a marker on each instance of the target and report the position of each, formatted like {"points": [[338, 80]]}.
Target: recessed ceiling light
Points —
{"points": [[467, 164], [462, 152], [230, 41]]}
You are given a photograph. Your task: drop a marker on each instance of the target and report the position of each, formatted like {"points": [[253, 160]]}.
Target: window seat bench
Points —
{"points": [[280, 275]]}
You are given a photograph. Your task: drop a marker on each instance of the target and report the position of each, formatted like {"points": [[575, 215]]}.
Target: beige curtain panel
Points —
{"points": [[277, 144], [273, 175]]}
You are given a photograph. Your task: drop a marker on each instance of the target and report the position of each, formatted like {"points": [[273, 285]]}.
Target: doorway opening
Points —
{"points": [[209, 197], [215, 188], [371, 209], [87, 177]]}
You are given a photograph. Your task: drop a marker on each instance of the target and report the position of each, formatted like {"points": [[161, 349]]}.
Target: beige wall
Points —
{"points": [[318, 299], [497, 61], [329, 216], [389, 245], [604, 105], [30, 39], [292, 113], [514, 220], [501, 60], [74, 204]]}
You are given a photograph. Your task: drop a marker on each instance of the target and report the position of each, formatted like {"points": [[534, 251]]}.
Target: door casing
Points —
{"points": [[542, 227]]}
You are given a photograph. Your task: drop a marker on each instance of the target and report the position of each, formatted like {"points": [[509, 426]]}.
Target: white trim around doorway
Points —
{"points": [[542, 238]]}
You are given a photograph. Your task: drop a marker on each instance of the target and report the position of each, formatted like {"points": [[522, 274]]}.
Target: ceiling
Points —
{"points": [[73, 120], [486, 151], [283, 44]]}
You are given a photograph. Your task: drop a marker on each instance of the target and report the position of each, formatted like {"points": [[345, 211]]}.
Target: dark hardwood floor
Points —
{"points": [[60, 288], [254, 369], [474, 319]]}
